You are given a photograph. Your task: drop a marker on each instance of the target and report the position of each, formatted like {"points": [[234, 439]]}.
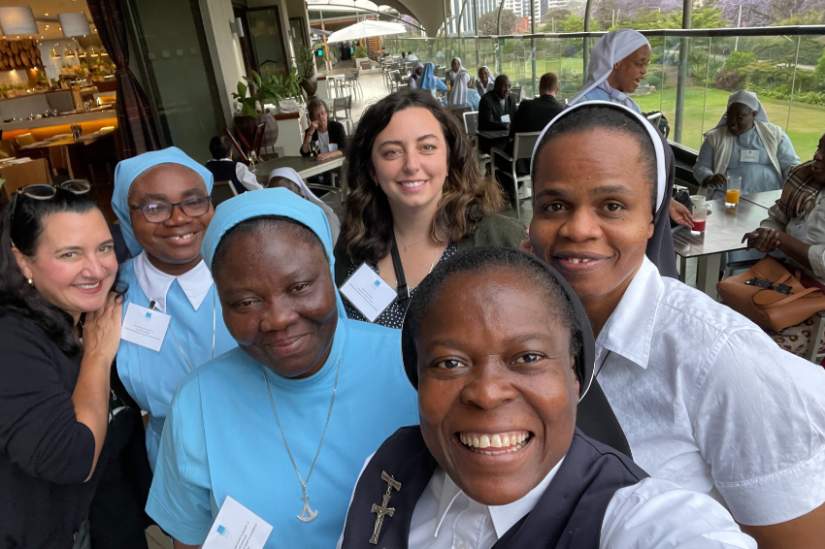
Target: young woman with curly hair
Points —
{"points": [[416, 194]]}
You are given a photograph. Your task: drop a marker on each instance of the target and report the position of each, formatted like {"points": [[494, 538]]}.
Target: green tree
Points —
{"points": [[488, 23]]}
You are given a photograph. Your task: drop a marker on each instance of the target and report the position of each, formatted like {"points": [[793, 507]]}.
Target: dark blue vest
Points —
{"points": [[224, 170], [567, 516]]}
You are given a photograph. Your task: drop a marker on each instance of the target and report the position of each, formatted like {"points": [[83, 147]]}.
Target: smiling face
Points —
{"points": [[498, 402], [592, 211], [739, 118], [409, 160], [74, 263], [277, 296], [629, 72], [173, 246]]}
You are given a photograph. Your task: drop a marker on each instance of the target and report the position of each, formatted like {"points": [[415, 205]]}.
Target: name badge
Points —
{"points": [[505, 118], [749, 155], [368, 292], [144, 327], [236, 527]]}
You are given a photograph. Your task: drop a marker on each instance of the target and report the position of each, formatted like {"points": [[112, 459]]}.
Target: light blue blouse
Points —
{"points": [[757, 176], [221, 438], [150, 377]]}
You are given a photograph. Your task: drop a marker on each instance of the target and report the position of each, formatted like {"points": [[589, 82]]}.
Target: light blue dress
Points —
{"points": [[221, 436], [151, 377], [756, 176]]}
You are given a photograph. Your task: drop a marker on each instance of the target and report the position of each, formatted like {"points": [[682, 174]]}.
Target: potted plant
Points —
{"points": [[251, 98], [305, 63]]}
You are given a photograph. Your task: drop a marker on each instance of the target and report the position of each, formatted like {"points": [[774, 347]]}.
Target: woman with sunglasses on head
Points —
{"points": [[59, 332], [161, 199]]}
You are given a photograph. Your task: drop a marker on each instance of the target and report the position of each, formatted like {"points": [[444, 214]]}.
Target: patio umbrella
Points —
{"points": [[366, 29]]}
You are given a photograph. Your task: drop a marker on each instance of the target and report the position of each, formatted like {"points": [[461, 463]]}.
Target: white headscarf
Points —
{"points": [[750, 100], [460, 78], [609, 50], [655, 138], [306, 192]]}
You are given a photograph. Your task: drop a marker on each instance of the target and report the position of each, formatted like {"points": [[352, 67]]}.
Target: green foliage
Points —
{"points": [[819, 72], [487, 23], [360, 51], [260, 90]]}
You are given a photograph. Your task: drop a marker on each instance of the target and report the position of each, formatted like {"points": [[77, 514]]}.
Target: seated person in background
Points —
{"points": [[225, 169], [430, 82], [796, 227], [484, 82], [324, 138], [498, 460], [532, 116], [705, 397], [415, 76], [290, 179], [495, 111], [411, 56], [745, 144]]}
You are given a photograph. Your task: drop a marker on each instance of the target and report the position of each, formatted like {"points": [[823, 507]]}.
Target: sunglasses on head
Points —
{"points": [[46, 191]]}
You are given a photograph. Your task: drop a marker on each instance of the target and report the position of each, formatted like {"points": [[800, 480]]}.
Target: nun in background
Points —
{"points": [[746, 145], [459, 80], [290, 179], [284, 422], [429, 81], [161, 200], [497, 460], [485, 81], [618, 63]]}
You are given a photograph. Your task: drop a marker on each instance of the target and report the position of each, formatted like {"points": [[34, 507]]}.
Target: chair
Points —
{"points": [[222, 191], [471, 128], [522, 150], [351, 81], [343, 104]]}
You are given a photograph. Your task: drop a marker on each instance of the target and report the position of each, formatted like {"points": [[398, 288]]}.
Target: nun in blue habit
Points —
{"points": [[284, 423], [161, 199]]}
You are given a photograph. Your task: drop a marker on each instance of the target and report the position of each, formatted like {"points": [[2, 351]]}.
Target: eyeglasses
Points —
{"points": [[158, 211], [45, 191]]}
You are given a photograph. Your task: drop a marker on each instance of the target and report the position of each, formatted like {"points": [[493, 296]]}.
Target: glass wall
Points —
{"points": [[787, 71]]}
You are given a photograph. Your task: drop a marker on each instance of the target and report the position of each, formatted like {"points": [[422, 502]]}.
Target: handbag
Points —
{"points": [[771, 296]]}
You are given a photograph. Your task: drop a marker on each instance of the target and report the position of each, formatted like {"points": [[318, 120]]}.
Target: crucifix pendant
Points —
{"points": [[383, 510], [308, 514]]}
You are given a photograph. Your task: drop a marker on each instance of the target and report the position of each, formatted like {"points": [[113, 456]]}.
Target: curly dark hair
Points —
{"points": [[21, 226], [366, 233]]}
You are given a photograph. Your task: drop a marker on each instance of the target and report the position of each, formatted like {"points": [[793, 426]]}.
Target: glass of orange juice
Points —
{"points": [[733, 191]]}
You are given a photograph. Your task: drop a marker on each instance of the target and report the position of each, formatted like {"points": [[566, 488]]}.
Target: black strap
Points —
{"points": [[400, 279]]}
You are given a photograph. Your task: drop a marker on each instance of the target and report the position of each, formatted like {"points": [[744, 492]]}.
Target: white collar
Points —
{"points": [[503, 516], [629, 329], [195, 282]]}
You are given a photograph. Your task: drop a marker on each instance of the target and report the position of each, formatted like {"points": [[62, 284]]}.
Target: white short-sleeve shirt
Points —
{"points": [[709, 401]]}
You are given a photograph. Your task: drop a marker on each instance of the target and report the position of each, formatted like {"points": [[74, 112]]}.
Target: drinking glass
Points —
{"points": [[697, 201], [733, 191]]}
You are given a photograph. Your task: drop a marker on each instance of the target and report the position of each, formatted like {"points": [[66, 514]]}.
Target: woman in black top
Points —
{"points": [[59, 331], [324, 138]]}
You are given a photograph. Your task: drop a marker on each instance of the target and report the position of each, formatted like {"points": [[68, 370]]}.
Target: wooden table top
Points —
{"points": [[66, 139]]}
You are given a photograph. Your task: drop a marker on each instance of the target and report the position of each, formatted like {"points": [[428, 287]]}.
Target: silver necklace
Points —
{"points": [[308, 514]]}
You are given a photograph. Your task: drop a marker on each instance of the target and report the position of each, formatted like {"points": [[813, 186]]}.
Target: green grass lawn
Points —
{"points": [[804, 123]]}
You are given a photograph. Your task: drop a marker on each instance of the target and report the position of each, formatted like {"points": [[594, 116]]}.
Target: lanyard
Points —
{"points": [[401, 280]]}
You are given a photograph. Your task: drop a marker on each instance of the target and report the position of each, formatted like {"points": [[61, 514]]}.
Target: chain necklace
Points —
{"points": [[308, 514]]}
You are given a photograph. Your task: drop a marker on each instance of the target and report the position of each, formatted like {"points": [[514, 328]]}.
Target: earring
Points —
{"points": [[30, 281]]}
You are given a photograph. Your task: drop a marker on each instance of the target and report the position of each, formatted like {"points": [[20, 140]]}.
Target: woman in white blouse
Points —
{"points": [[796, 227], [705, 398]]}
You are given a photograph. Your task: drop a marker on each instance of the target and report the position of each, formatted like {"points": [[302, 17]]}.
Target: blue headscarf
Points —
{"points": [[429, 81], [270, 202], [127, 171]]}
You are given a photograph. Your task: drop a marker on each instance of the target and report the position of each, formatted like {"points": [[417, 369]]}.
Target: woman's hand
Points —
{"points": [[715, 180], [764, 239], [680, 214], [101, 332]]}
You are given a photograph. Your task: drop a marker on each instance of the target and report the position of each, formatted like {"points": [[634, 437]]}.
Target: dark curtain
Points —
{"points": [[136, 123]]}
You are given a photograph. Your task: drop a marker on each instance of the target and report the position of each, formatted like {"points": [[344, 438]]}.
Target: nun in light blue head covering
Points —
{"points": [[127, 171], [288, 446], [196, 333], [429, 81]]}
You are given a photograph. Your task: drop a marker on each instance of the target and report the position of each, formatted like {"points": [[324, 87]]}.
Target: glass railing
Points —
{"points": [[779, 64]]}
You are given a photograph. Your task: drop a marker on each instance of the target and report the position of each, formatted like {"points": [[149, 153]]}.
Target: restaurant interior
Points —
{"points": [[57, 95]]}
